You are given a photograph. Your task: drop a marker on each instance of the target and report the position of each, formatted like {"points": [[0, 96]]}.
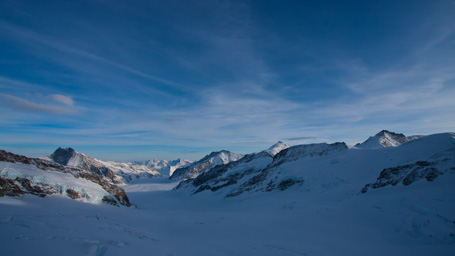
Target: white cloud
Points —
{"points": [[62, 99]]}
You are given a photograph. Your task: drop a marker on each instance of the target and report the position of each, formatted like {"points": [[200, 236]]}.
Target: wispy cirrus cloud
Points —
{"points": [[302, 138], [23, 105], [223, 73], [59, 45], [67, 100]]}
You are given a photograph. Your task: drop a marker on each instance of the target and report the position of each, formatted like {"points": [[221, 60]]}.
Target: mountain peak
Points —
{"points": [[385, 138], [276, 148], [386, 132], [63, 155]]}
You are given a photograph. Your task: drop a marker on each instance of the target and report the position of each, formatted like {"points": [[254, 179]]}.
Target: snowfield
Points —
{"points": [[408, 208], [393, 221]]}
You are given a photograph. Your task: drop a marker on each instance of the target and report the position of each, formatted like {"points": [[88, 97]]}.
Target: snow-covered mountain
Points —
{"points": [[386, 139], [21, 175], [253, 169], [164, 167], [206, 163], [322, 167], [233, 172], [115, 172]]}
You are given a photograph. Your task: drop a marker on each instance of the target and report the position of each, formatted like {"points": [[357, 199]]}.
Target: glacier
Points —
{"points": [[386, 199]]}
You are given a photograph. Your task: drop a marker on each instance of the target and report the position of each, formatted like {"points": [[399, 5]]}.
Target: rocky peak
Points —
{"points": [[63, 155], [385, 138]]}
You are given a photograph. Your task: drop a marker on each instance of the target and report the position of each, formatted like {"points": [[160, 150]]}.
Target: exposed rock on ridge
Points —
{"points": [[19, 185], [206, 163], [114, 172], [386, 139], [255, 172]]}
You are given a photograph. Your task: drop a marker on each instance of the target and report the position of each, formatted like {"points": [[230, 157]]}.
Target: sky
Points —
{"points": [[137, 80]]}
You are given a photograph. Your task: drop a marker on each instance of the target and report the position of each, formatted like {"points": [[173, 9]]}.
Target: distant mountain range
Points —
{"points": [[164, 167], [389, 158], [115, 172], [209, 161], [385, 159]]}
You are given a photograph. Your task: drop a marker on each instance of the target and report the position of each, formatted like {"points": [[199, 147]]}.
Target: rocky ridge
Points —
{"points": [[255, 172], [386, 139], [322, 167], [15, 183], [114, 172], [209, 161], [409, 173]]}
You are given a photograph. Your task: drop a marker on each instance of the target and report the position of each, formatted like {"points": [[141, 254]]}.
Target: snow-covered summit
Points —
{"points": [[206, 163], [276, 148], [116, 172], [386, 139]]}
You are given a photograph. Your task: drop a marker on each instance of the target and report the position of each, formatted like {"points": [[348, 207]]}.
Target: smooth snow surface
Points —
{"points": [[414, 221]]}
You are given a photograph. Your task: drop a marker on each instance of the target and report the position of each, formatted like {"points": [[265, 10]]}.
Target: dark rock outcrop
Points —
{"points": [[309, 150], [21, 186], [406, 174], [9, 187], [62, 156]]}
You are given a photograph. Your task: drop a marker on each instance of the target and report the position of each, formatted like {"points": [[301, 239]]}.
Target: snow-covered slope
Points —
{"points": [[386, 139], [323, 167], [116, 172], [252, 171], [21, 175], [206, 163], [164, 167]]}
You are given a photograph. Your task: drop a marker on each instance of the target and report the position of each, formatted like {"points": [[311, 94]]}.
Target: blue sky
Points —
{"points": [[135, 80]]}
